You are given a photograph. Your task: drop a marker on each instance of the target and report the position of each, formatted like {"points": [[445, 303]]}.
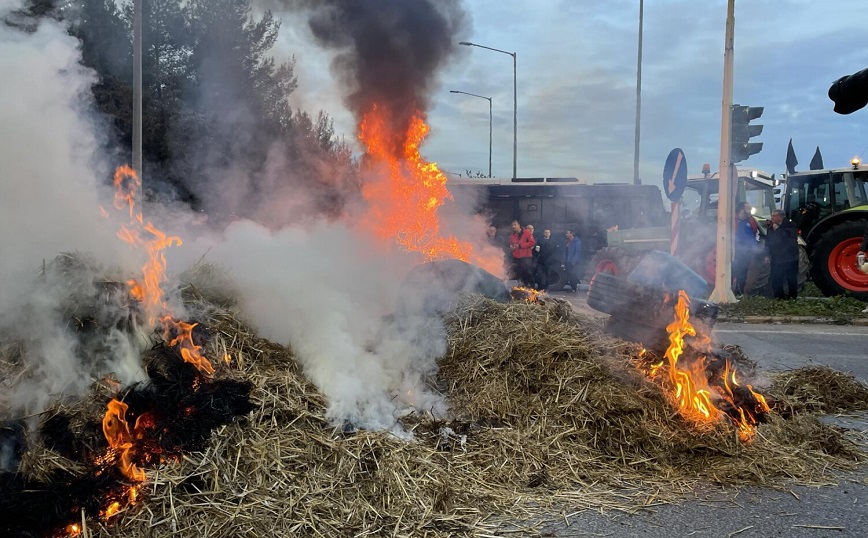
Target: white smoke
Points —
{"points": [[328, 292], [50, 177]]}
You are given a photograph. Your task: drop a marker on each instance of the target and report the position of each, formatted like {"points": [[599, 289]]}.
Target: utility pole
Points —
{"points": [[723, 273], [137, 98], [636, 180]]}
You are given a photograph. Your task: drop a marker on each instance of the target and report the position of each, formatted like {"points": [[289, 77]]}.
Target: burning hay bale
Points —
{"points": [[545, 409], [585, 414]]}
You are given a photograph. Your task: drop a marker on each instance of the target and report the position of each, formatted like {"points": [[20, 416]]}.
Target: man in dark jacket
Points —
{"points": [[572, 260], [782, 246], [546, 254], [745, 246]]}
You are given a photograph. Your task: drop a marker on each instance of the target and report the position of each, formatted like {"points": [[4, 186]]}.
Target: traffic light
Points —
{"points": [[742, 131]]}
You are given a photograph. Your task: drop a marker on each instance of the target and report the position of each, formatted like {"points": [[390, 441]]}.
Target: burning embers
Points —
{"points": [[529, 295], [143, 425], [704, 385]]}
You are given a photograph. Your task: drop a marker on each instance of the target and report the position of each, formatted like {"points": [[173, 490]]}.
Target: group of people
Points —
{"points": [[780, 250], [532, 261]]}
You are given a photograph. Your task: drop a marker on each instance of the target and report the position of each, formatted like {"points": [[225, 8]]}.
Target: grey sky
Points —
{"points": [[577, 76]]}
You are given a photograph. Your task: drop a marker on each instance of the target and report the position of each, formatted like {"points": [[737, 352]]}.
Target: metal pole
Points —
{"points": [[723, 274], [636, 180], [514, 116], [137, 95], [489, 136], [514, 101]]}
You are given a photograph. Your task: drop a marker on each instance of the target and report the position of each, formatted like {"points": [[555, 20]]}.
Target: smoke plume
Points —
{"points": [[49, 184], [389, 52]]}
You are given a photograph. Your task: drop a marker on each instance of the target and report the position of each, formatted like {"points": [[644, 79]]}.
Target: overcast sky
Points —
{"points": [[576, 77]]}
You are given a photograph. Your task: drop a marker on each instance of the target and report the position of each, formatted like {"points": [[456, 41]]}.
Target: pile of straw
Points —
{"points": [[818, 389], [548, 413]]}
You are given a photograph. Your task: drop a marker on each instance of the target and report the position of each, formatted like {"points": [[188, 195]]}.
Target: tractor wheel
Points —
{"points": [[614, 261], [804, 267], [833, 261], [639, 312]]}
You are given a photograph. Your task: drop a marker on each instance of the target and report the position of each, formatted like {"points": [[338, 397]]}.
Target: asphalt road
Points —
{"points": [[784, 347], [801, 512]]}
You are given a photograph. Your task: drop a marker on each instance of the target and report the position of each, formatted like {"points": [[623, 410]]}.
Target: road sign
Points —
{"points": [[675, 174]]}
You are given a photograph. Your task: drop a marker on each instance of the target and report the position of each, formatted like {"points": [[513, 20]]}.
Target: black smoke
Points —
{"points": [[389, 52]]}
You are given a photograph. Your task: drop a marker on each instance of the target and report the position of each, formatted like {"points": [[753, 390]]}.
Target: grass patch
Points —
{"points": [[840, 309]]}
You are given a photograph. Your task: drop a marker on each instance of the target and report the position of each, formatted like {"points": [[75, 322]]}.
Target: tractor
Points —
{"points": [[830, 209]]}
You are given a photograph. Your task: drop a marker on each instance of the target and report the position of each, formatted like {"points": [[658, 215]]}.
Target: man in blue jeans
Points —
{"points": [[572, 258]]}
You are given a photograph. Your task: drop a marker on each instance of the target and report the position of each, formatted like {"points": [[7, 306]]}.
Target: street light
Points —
{"points": [[514, 102], [137, 99], [489, 123]]}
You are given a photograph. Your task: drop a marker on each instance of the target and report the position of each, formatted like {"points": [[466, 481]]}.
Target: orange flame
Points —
{"points": [[403, 205], [147, 290], [692, 391], [184, 340], [528, 295], [120, 439], [117, 433]]}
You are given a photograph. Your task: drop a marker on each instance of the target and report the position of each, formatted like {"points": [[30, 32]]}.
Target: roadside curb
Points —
{"points": [[861, 322]]}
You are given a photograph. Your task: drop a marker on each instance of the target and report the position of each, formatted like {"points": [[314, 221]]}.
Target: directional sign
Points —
{"points": [[675, 174]]}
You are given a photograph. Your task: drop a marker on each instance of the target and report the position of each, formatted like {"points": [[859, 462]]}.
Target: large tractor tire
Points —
{"points": [[758, 274], [833, 261], [614, 261], [804, 267], [641, 313]]}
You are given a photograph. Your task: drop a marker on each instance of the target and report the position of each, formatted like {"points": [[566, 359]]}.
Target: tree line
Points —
{"points": [[218, 132]]}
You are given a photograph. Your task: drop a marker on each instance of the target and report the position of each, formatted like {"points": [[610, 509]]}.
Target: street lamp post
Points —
{"points": [[489, 123], [514, 102], [137, 98], [636, 180]]}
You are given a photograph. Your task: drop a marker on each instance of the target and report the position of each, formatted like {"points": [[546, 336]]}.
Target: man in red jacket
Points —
{"points": [[521, 243]]}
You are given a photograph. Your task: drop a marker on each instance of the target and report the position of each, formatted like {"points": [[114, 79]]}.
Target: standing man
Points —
{"points": [[782, 248], [572, 258], [745, 246], [546, 254], [521, 243]]}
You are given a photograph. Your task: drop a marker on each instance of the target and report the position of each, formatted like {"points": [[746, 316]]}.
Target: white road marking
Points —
{"points": [[766, 331]]}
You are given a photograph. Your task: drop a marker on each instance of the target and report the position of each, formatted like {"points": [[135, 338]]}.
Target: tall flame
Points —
{"points": [[120, 439], [148, 290], [404, 204], [693, 394]]}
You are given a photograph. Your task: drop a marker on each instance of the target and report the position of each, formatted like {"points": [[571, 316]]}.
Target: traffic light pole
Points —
{"points": [[723, 273]]}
